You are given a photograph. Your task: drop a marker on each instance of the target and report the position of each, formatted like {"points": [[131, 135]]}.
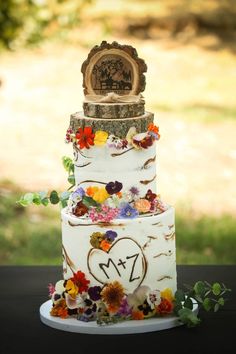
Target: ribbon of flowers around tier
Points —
{"points": [[103, 204], [86, 137], [108, 304]]}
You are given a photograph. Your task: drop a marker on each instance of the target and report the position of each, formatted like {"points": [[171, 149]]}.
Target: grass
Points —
{"points": [[32, 236]]}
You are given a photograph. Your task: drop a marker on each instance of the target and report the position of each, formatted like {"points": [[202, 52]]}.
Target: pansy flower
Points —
{"points": [[95, 293], [128, 212], [110, 235], [85, 137], [150, 195], [105, 245], [74, 303], [142, 141], [113, 187], [78, 193], [71, 288], [60, 309]]}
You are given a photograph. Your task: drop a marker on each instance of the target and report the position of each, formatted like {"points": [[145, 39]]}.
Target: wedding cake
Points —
{"points": [[118, 236]]}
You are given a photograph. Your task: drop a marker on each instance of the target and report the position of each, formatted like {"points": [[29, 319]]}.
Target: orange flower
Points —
{"points": [[112, 309], [112, 294], [165, 307], [90, 191], [105, 246], [153, 128], [85, 137], [60, 309], [119, 194], [142, 205], [137, 315]]}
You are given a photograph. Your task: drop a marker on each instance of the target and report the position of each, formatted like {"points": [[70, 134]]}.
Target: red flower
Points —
{"points": [[85, 137], [80, 280], [164, 307], [80, 209]]}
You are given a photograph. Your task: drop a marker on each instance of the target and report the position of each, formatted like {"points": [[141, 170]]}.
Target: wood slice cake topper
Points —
{"points": [[113, 68]]}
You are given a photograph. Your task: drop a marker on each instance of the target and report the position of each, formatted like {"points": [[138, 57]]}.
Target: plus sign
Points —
{"points": [[122, 263]]}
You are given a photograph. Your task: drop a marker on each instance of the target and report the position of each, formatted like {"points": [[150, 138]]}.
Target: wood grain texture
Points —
{"points": [[113, 110]]}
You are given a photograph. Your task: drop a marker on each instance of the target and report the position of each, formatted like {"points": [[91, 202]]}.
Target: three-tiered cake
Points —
{"points": [[118, 237]]}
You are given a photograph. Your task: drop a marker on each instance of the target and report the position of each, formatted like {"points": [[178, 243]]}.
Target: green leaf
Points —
{"points": [[23, 202], [42, 194], [88, 201], [54, 198], [36, 199], [71, 179], [207, 304], [188, 303], [179, 295], [188, 317], [221, 301], [216, 289], [178, 306], [198, 298], [45, 201], [199, 288], [216, 307], [29, 197]]}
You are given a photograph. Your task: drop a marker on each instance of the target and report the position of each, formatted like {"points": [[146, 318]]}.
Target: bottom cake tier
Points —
{"points": [[133, 252]]}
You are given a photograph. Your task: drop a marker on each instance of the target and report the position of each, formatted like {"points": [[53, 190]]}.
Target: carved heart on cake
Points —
{"points": [[124, 262]]}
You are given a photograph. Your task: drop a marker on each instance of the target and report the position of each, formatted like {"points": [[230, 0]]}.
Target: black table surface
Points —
{"points": [[24, 288]]}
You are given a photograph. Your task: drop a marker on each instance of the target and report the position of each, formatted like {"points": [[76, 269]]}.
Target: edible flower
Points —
{"points": [[95, 293], [100, 195], [100, 138], [85, 137], [91, 190], [71, 288], [112, 294], [167, 294], [80, 209], [113, 187], [105, 245], [142, 205], [110, 235], [60, 309], [104, 214], [154, 131], [128, 212], [165, 307], [80, 281], [96, 238]]}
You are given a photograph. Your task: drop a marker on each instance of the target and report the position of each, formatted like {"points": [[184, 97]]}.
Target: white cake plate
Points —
{"points": [[125, 327]]}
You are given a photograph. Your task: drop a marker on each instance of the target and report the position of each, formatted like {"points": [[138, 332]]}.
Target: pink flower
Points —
{"points": [[51, 289], [105, 214]]}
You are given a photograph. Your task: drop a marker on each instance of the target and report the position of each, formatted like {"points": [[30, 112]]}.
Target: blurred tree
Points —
{"points": [[29, 21]]}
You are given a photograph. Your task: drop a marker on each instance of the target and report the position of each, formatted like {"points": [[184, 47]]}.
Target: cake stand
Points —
{"points": [[125, 327]]}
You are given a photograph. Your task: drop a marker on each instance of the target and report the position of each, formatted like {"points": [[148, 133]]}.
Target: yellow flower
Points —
{"points": [[167, 294], [100, 195], [71, 288], [100, 138]]}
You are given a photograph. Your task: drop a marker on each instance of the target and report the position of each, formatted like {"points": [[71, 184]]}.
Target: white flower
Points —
{"points": [[75, 303], [138, 297], [154, 298]]}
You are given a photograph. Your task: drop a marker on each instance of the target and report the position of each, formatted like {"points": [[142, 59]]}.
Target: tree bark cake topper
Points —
{"points": [[113, 68]]}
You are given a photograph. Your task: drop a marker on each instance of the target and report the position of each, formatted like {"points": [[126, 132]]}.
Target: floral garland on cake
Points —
{"points": [[86, 137], [109, 303], [106, 203]]}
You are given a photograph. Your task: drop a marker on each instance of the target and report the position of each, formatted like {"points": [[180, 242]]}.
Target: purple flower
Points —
{"points": [[94, 292], [128, 212], [111, 235], [134, 191], [113, 187], [79, 192], [125, 309]]}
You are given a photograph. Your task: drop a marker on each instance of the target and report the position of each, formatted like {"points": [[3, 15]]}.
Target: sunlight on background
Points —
{"points": [[189, 48]]}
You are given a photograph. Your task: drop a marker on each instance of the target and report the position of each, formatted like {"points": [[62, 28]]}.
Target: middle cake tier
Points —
{"points": [[109, 150]]}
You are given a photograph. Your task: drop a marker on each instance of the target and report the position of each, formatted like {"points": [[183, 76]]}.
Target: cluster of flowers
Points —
{"points": [[103, 204], [107, 304], [85, 138], [103, 240]]}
